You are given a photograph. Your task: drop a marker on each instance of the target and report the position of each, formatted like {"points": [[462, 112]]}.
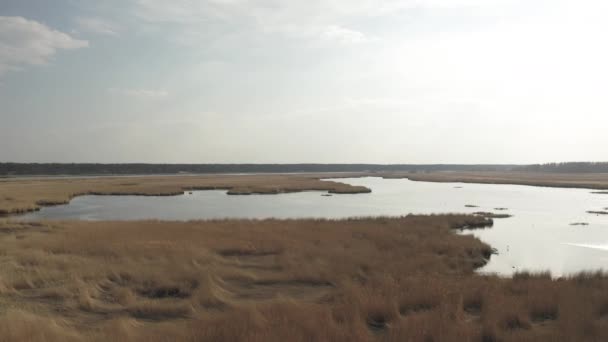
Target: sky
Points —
{"points": [[291, 81]]}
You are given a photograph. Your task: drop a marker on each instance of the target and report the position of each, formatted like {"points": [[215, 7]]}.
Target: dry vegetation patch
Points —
{"points": [[368, 279], [492, 215], [559, 180], [23, 195]]}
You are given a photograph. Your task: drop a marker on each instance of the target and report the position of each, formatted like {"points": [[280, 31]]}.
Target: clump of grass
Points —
{"points": [[514, 322], [472, 222], [473, 304], [379, 315], [544, 312], [153, 310], [123, 296], [492, 215], [520, 276]]}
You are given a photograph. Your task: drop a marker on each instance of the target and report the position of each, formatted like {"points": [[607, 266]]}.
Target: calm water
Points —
{"points": [[538, 237]]}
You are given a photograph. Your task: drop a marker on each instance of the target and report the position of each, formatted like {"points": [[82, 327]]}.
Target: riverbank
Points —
{"points": [[597, 181], [19, 196], [25, 195], [408, 278]]}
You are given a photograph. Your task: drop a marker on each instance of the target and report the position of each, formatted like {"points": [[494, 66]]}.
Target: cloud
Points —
{"points": [[97, 26], [271, 12], [343, 35], [314, 20], [294, 19], [140, 92], [26, 42]]}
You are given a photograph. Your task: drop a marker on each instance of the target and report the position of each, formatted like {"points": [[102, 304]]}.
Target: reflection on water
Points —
{"points": [[538, 237], [601, 247]]}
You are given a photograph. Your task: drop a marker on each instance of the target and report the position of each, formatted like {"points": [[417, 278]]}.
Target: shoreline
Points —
{"points": [[59, 191], [30, 195], [545, 180]]}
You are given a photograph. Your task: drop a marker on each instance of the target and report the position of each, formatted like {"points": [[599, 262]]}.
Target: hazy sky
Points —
{"points": [[392, 81]]}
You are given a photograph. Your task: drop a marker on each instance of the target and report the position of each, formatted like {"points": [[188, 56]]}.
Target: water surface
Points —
{"points": [[538, 237]]}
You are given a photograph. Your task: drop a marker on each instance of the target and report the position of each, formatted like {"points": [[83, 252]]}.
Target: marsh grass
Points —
{"points": [[25, 195], [369, 279], [492, 215], [597, 181], [597, 212]]}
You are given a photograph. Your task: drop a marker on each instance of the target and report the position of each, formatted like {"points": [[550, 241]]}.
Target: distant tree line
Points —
{"points": [[573, 167], [56, 169]]}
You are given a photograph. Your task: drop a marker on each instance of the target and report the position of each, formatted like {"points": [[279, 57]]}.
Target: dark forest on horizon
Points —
{"points": [[39, 169]]}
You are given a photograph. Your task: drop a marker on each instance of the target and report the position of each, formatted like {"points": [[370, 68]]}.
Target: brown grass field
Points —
{"points": [[557, 180], [368, 279]]}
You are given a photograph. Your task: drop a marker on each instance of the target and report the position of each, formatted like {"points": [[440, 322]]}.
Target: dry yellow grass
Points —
{"points": [[21, 195], [557, 180], [381, 279]]}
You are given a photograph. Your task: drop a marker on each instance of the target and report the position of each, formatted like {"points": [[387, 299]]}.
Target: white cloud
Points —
{"points": [[320, 20], [97, 26], [140, 92], [295, 19], [273, 11], [26, 42], [343, 35]]}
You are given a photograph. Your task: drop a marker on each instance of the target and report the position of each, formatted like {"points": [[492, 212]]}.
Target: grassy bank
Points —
{"points": [[397, 279], [562, 180], [23, 195]]}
